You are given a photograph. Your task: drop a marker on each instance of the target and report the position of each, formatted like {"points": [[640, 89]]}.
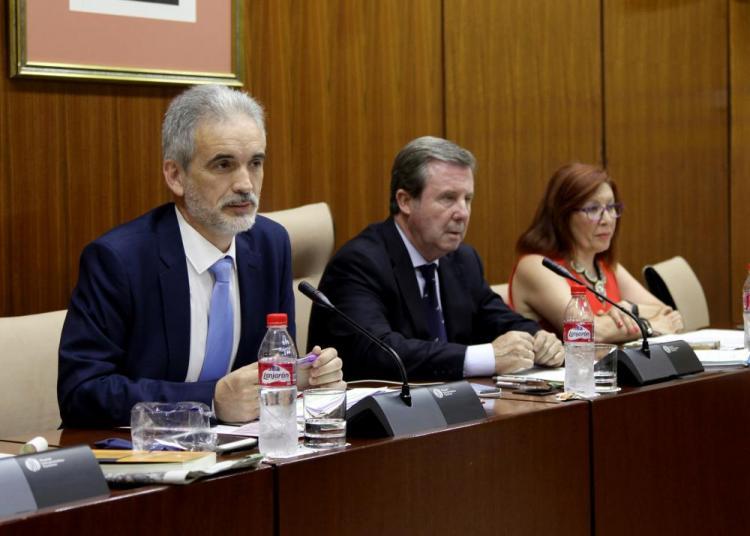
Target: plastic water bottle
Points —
{"points": [[578, 336], [277, 374], [746, 308]]}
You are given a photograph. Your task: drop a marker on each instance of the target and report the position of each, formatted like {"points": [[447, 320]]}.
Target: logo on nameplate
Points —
{"points": [[442, 392], [32, 465]]}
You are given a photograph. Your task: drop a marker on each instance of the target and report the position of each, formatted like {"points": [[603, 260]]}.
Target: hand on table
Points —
{"points": [[548, 350], [236, 395], [514, 351]]}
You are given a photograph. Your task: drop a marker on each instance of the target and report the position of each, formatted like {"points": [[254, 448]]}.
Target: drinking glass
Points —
{"points": [[325, 418], [605, 368]]}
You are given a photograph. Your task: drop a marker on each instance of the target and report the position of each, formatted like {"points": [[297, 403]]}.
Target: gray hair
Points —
{"points": [[409, 171], [190, 107]]}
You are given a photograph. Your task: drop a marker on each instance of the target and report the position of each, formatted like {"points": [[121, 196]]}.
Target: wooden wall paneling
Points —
{"points": [[666, 134], [91, 155], [5, 258], [346, 85], [138, 116], [523, 93], [75, 157], [114, 159], [739, 15], [37, 196]]}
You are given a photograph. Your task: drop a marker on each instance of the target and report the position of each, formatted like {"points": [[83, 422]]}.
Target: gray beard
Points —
{"points": [[215, 219]]}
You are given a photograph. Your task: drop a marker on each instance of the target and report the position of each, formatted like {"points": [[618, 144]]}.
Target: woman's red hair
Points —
{"points": [[549, 233]]}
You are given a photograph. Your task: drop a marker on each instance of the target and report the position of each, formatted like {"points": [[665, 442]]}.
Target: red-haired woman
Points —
{"points": [[576, 226]]}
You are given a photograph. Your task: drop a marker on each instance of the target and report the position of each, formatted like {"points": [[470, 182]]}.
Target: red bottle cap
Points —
{"points": [[577, 289], [276, 319]]}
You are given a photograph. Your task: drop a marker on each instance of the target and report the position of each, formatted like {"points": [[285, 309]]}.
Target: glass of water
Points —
{"points": [[605, 368], [325, 418]]}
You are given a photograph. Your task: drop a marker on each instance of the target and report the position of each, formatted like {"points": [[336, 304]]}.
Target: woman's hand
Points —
{"points": [[667, 321], [625, 326]]}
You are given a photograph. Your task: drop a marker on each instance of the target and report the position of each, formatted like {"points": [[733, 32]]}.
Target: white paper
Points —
{"points": [[547, 374], [184, 476], [717, 358], [184, 12], [729, 339]]}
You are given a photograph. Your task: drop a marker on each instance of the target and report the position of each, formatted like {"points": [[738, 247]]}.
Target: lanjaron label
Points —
{"points": [[276, 374], [578, 332]]}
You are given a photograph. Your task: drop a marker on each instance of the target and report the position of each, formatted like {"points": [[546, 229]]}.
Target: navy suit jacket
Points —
{"points": [[126, 337], [372, 280]]}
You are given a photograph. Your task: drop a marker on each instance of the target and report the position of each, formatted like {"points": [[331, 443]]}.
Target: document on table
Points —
{"points": [[727, 339], [714, 347], [547, 374], [252, 429], [718, 358]]}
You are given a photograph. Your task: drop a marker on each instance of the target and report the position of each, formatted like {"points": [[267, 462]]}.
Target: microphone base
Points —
{"points": [[385, 414], [667, 361]]}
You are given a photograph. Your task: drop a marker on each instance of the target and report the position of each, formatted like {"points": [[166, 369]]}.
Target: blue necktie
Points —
{"points": [[220, 324], [435, 322]]}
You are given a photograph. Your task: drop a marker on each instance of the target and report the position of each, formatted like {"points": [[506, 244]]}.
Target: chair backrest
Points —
{"points": [[311, 233], [28, 381], [502, 290], [675, 283]]}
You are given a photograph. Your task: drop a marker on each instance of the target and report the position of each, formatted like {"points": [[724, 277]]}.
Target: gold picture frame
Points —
{"points": [[71, 44]]}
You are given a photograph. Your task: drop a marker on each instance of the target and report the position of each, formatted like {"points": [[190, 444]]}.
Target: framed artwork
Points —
{"points": [[154, 41]]}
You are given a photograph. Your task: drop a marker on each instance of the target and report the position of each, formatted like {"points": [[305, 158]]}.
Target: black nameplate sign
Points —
{"points": [[48, 478]]}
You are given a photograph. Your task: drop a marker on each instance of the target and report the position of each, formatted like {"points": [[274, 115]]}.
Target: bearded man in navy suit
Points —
{"points": [[416, 286], [138, 324]]}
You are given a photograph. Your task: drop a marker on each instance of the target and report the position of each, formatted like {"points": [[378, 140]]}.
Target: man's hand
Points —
{"points": [[514, 351], [548, 350], [324, 372], [236, 395]]}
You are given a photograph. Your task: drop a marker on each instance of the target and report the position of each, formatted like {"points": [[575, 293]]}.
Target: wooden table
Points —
{"points": [[669, 458], [239, 503], [523, 471], [663, 459]]}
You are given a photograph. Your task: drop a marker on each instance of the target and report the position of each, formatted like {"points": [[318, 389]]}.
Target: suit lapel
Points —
{"points": [[175, 295], [406, 279], [248, 262]]}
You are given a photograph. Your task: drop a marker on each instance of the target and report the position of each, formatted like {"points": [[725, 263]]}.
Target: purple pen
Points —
{"points": [[304, 362]]}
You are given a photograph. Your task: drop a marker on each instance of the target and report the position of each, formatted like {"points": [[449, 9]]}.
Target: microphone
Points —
{"points": [[563, 272], [320, 299], [385, 414], [649, 364]]}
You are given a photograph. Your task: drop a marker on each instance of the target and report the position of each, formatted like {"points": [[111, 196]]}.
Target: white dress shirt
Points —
{"points": [[200, 255], [479, 359]]}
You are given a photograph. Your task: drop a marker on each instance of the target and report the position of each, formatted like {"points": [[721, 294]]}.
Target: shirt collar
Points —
{"points": [[201, 253], [415, 256]]}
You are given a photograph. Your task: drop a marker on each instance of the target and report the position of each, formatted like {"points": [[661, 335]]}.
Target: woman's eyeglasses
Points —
{"points": [[596, 212]]}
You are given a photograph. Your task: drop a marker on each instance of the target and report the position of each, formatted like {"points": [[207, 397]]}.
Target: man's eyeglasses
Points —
{"points": [[596, 212]]}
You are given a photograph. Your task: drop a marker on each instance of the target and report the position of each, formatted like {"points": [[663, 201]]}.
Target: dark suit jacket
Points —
{"points": [[371, 279], [126, 337]]}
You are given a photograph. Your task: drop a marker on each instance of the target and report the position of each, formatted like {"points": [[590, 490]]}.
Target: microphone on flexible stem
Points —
{"points": [[320, 299], [563, 272], [649, 364], [386, 414]]}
